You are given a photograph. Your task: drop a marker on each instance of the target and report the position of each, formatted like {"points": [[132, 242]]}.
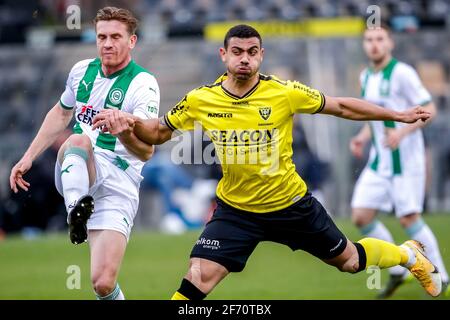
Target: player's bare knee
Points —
{"points": [[75, 140], [79, 141], [360, 220], [407, 220], [104, 285], [104, 281], [356, 220]]}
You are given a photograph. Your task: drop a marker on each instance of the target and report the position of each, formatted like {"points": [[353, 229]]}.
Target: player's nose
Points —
{"points": [[107, 43], [244, 59]]}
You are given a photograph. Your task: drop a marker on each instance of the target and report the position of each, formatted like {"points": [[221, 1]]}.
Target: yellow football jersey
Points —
{"points": [[252, 135]]}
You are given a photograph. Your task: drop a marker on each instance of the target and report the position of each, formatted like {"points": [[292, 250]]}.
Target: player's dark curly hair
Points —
{"points": [[242, 31]]}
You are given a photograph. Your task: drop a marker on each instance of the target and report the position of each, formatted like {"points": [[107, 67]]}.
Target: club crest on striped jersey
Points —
{"points": [[116, 96]]}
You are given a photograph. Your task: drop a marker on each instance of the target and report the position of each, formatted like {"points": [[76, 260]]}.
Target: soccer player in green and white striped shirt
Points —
{"points": [[93, 165], [394, 177]]}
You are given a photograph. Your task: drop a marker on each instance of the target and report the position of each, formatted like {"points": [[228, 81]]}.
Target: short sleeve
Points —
{"points": [[68, 99], [305, 99], [181, 116], [412, 87], [146, 98]]}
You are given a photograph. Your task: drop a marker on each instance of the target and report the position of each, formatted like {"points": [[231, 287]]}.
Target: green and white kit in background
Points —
{"points": [[393, 178], [116, 188]]}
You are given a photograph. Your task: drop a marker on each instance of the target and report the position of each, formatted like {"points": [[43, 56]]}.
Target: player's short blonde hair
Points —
{"points": [[119, 14]]}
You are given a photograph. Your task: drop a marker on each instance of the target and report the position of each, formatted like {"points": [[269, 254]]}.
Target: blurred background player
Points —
{"points": [[394, 177], [93, 165]]}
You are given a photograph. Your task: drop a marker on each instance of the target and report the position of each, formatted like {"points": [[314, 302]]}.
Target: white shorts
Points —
{"points": [[404, 193], [116, 197]]}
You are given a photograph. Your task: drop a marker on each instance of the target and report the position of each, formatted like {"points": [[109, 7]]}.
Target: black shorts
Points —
{"points": [[231, 235]]}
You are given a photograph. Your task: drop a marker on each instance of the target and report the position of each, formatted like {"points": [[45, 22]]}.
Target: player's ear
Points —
{"points": [[132, 41], [262, 54], [222, 53]]}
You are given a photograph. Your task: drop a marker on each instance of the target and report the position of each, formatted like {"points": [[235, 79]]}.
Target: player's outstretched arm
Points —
{"points": [[357, 109], [54, 124], [150, 131], [143, 151], [134, 145], [154, 131]]}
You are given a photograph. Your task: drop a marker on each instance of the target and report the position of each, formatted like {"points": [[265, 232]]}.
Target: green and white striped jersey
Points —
{"points": [[132, 89], [396, 87]]}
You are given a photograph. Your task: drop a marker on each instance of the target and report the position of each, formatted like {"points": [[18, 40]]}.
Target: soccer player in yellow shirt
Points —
{"points": [[249, 118]]}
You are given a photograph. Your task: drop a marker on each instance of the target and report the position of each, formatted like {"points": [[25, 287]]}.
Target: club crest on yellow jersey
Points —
{"points": [[265, 112]]}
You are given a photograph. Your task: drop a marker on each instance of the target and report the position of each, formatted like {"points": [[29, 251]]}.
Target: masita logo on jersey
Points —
{"points": [[220, 115], [87, 114]]}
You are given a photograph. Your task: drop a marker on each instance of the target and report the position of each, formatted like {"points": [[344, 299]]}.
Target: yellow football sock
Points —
{"points": [[178, 296], [382, 253]]}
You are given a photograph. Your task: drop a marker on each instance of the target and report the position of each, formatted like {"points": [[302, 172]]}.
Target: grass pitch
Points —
{"points": [[155, 263]]}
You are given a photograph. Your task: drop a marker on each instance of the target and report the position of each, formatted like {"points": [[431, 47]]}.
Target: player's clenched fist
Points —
{"points": [[411, 115]]}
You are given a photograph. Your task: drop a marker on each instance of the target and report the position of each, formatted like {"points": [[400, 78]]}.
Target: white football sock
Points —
{"points": [[376, 229], [74, 176], [120, 296], [411, 256]]}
